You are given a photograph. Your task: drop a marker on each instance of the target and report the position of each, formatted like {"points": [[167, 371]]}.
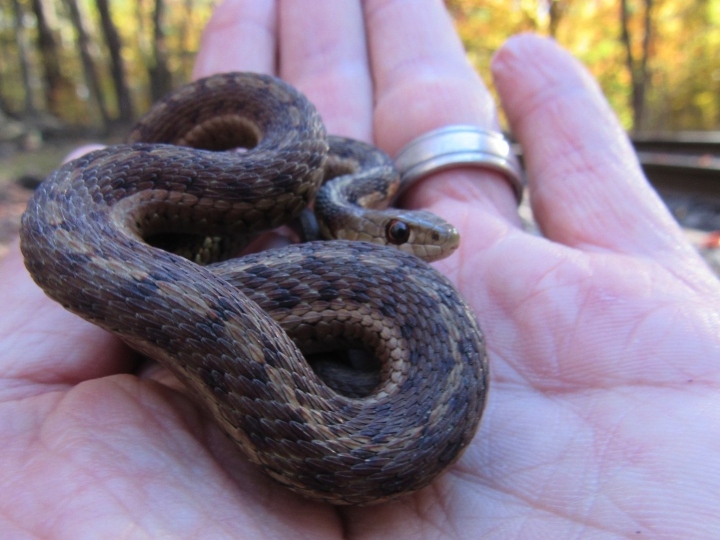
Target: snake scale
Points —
{"points": [[237, 332]]}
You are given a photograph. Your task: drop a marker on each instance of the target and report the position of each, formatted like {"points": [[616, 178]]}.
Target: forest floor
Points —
{"points": [[20, 172]]}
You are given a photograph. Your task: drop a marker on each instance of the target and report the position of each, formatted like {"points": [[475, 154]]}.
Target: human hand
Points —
{"points": [[603, 336]]}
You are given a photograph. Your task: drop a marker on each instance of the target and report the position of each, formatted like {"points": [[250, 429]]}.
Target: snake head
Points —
{"points": [[360, 183], [419, 232]]}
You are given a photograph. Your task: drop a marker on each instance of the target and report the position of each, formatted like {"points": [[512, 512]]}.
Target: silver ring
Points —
{"points": [[459, 146]]}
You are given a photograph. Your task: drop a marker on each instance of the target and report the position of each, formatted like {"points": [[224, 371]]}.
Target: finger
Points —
{"points": [[82, 150], [423, 81], [323, 53], [240, 36], [586, 186]]}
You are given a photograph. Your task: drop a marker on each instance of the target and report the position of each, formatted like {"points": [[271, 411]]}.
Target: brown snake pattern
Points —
{"points": [[233, 331]]}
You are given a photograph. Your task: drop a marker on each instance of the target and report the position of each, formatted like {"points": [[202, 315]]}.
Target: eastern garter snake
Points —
{"points": [[232, 331]]}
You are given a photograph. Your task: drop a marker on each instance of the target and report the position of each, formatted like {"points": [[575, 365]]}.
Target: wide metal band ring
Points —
{"points": [[459, 146]]}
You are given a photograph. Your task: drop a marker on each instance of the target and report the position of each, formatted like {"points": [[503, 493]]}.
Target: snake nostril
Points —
{"points": [[397, 232]]}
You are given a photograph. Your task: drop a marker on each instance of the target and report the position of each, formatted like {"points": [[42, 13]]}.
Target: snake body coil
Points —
{"points": [[233, 331]]}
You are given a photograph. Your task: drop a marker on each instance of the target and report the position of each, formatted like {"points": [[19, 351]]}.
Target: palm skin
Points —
{"points": [[602, 418]]}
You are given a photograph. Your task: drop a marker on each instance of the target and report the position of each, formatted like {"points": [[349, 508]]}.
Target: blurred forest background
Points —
{"points": [[93, 63], [658, 61], [75, 71], [69, 65]]}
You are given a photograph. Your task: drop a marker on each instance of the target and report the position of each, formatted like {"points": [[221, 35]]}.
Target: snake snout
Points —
{"points": [[421, 233]]}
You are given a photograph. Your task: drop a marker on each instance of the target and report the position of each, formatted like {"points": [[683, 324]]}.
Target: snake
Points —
{"points": [[221, 160]]}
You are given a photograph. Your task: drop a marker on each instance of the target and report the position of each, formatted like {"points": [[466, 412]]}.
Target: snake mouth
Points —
{"points": [[351, 372]]}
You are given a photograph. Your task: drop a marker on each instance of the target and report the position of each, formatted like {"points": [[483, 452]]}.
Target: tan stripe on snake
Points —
{"points": [[233, 331]]}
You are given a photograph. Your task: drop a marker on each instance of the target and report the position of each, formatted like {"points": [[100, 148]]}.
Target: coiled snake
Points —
{"points": [[232, 331]]}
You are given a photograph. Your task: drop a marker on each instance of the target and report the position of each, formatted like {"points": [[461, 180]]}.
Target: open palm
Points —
{"points": [[603, 414]]}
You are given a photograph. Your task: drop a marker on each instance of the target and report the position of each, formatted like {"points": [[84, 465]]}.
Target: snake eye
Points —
{"points": [[397, 232]]}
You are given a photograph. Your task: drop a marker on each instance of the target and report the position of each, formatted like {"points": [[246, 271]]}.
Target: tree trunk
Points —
{"points": [[55, 83], [91, 76], [637, 67], [117, 68], [556, 11], [5, 72], [4, 110], [24, 59], [186, 58], [160, 76]]}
